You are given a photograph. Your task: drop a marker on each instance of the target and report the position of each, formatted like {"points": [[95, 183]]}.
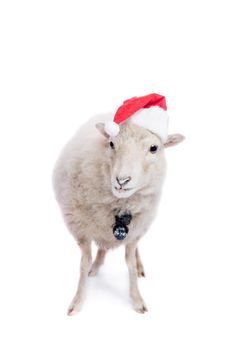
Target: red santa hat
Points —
{"points": [[148, 111]]}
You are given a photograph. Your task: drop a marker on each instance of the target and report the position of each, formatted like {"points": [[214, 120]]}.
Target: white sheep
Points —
{"points": [[108, 189]]}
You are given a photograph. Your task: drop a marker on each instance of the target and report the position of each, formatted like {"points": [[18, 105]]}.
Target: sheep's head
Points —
{"points": [[136, 158]]}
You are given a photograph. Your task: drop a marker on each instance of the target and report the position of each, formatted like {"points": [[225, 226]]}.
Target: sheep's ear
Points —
{"points": [[173, 140], [100, 127]]}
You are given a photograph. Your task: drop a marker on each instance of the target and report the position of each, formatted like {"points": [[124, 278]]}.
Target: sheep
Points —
{"points": [[108, 189]]}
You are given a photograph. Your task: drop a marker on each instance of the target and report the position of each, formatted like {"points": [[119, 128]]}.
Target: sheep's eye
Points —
{"points": [[153, 148], [111, 144]]}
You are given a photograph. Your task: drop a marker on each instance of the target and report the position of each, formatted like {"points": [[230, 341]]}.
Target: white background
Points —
{"points": [[60, 63]]}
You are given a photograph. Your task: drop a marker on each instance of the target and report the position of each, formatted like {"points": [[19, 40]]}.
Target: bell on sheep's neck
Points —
{"points": [[120, 229]]}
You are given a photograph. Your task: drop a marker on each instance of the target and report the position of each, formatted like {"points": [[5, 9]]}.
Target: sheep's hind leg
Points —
{"points": [[85, 264], [99, 260], [140, 268], [130, 256]]}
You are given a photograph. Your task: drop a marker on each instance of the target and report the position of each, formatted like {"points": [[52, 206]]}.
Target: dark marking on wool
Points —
{"points": [[120, 228]]}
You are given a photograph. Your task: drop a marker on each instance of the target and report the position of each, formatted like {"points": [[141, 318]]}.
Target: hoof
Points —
{"points": [[141, 272], [93, 272], [140, 307], [74, 308]]}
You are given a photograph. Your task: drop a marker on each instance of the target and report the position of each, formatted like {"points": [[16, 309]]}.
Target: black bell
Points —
{"points": [[120, 231]]}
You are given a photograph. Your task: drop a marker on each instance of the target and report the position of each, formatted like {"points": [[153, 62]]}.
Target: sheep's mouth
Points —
{"points": [[122, 192], [122, 189]]}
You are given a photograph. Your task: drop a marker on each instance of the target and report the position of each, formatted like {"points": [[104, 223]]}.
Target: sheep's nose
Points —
{"points": [[123, 180]]}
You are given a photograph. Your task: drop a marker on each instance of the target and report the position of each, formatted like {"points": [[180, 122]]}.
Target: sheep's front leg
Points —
{"points": [[99, 260], [130, 256], [85, 265]]}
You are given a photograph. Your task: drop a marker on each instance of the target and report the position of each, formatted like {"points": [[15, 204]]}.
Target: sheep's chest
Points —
{"points": [[120, 224]]}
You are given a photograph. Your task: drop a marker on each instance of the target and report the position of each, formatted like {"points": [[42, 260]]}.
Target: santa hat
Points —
{"points": [[147, 111]]}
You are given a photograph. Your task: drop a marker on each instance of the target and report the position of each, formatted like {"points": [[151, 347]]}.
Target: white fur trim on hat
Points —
{"points": [[154, 119], [112, 128]]}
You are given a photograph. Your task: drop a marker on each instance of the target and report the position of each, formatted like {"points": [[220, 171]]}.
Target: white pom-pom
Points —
{"points": [[112, 129]]}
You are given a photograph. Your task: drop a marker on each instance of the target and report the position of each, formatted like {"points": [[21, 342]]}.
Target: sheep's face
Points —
{"points": [[136, 159], [135, 155]]}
